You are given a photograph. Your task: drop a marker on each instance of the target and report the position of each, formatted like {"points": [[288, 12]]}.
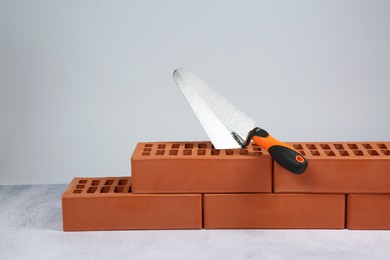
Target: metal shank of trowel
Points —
{"points": [[256, 131]]}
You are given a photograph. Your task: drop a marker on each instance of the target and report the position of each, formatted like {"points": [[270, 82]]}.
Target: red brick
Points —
{"points": [[195, 167], [368, 211], [109, 204], [228, 211], [359, 167]]}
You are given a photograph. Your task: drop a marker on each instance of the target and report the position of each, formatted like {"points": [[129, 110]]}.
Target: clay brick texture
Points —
{"points": [[229, 211], [368, 211], [190, 185], [109, 204], [359, 167], [195, 167]]}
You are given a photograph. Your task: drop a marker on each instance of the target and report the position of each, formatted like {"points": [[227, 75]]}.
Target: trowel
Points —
{"points": [[228, 127]]}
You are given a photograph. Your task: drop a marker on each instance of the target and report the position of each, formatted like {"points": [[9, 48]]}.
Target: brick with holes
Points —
{"points": [[109, 204], [343, 167], [195, 167]]}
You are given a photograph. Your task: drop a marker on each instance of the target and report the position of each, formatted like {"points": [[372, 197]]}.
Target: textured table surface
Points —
{"points": [[31, 228]]}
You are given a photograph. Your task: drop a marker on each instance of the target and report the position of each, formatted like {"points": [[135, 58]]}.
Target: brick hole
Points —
{"points": [[148, 145], [189, 146], [301, 152], [315, 153], [129, 190], [382, 146], [373, 152], [343, 153], [339, 146], [243, 152], [160, 152], [91, 189], [147, 149], [175, 146], [145, 153], [353, 146], [202, 146], [82, 181], [386, 152], [122, 182], [173, 152], [311, 146], [109, 182], [256, 149], [257, 153], [358, 152], [325, 146], [95, 182], [215, 152], [367, 146], [201, 152], [187, 152], [105, 189], [229, 152], [80, 186], [297, 146], [77, 191], [330, 153], [119, 189], [161, 146]]}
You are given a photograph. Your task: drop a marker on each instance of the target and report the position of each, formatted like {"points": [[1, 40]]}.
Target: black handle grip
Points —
{"points": [[288, 158]]}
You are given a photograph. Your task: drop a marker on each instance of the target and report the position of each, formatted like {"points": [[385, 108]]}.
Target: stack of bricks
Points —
{"points": [[190, 185]]}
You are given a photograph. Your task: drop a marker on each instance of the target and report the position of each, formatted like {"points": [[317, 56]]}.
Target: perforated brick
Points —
{"points": [[339, 167], [195, 167], [229, 211], [109, 204]]}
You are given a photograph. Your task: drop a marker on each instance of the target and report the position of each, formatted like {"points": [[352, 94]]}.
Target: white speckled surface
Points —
{"points": [[31, 228]]}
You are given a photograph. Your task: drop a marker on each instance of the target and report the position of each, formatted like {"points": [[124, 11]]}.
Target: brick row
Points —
{"points": [[109, 204], [195, 167]]}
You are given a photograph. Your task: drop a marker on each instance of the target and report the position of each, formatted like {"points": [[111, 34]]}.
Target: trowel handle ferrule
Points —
{"points": [[281, 152]]}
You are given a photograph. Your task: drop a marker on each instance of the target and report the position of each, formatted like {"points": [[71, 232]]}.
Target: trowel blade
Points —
{"points": [[218, 117]]}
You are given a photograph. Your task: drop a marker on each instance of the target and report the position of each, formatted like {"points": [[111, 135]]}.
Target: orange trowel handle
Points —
{"points": [[281, 152]]}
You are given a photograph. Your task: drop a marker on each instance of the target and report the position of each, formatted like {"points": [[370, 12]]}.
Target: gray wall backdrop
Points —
{"points": [[83, 81]]}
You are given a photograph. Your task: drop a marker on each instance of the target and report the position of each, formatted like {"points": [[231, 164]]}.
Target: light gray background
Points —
{"points": [[83, 81]]}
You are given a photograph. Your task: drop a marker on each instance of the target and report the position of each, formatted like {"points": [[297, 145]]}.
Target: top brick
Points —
{"points": [[339, 167], [196, 167]]}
